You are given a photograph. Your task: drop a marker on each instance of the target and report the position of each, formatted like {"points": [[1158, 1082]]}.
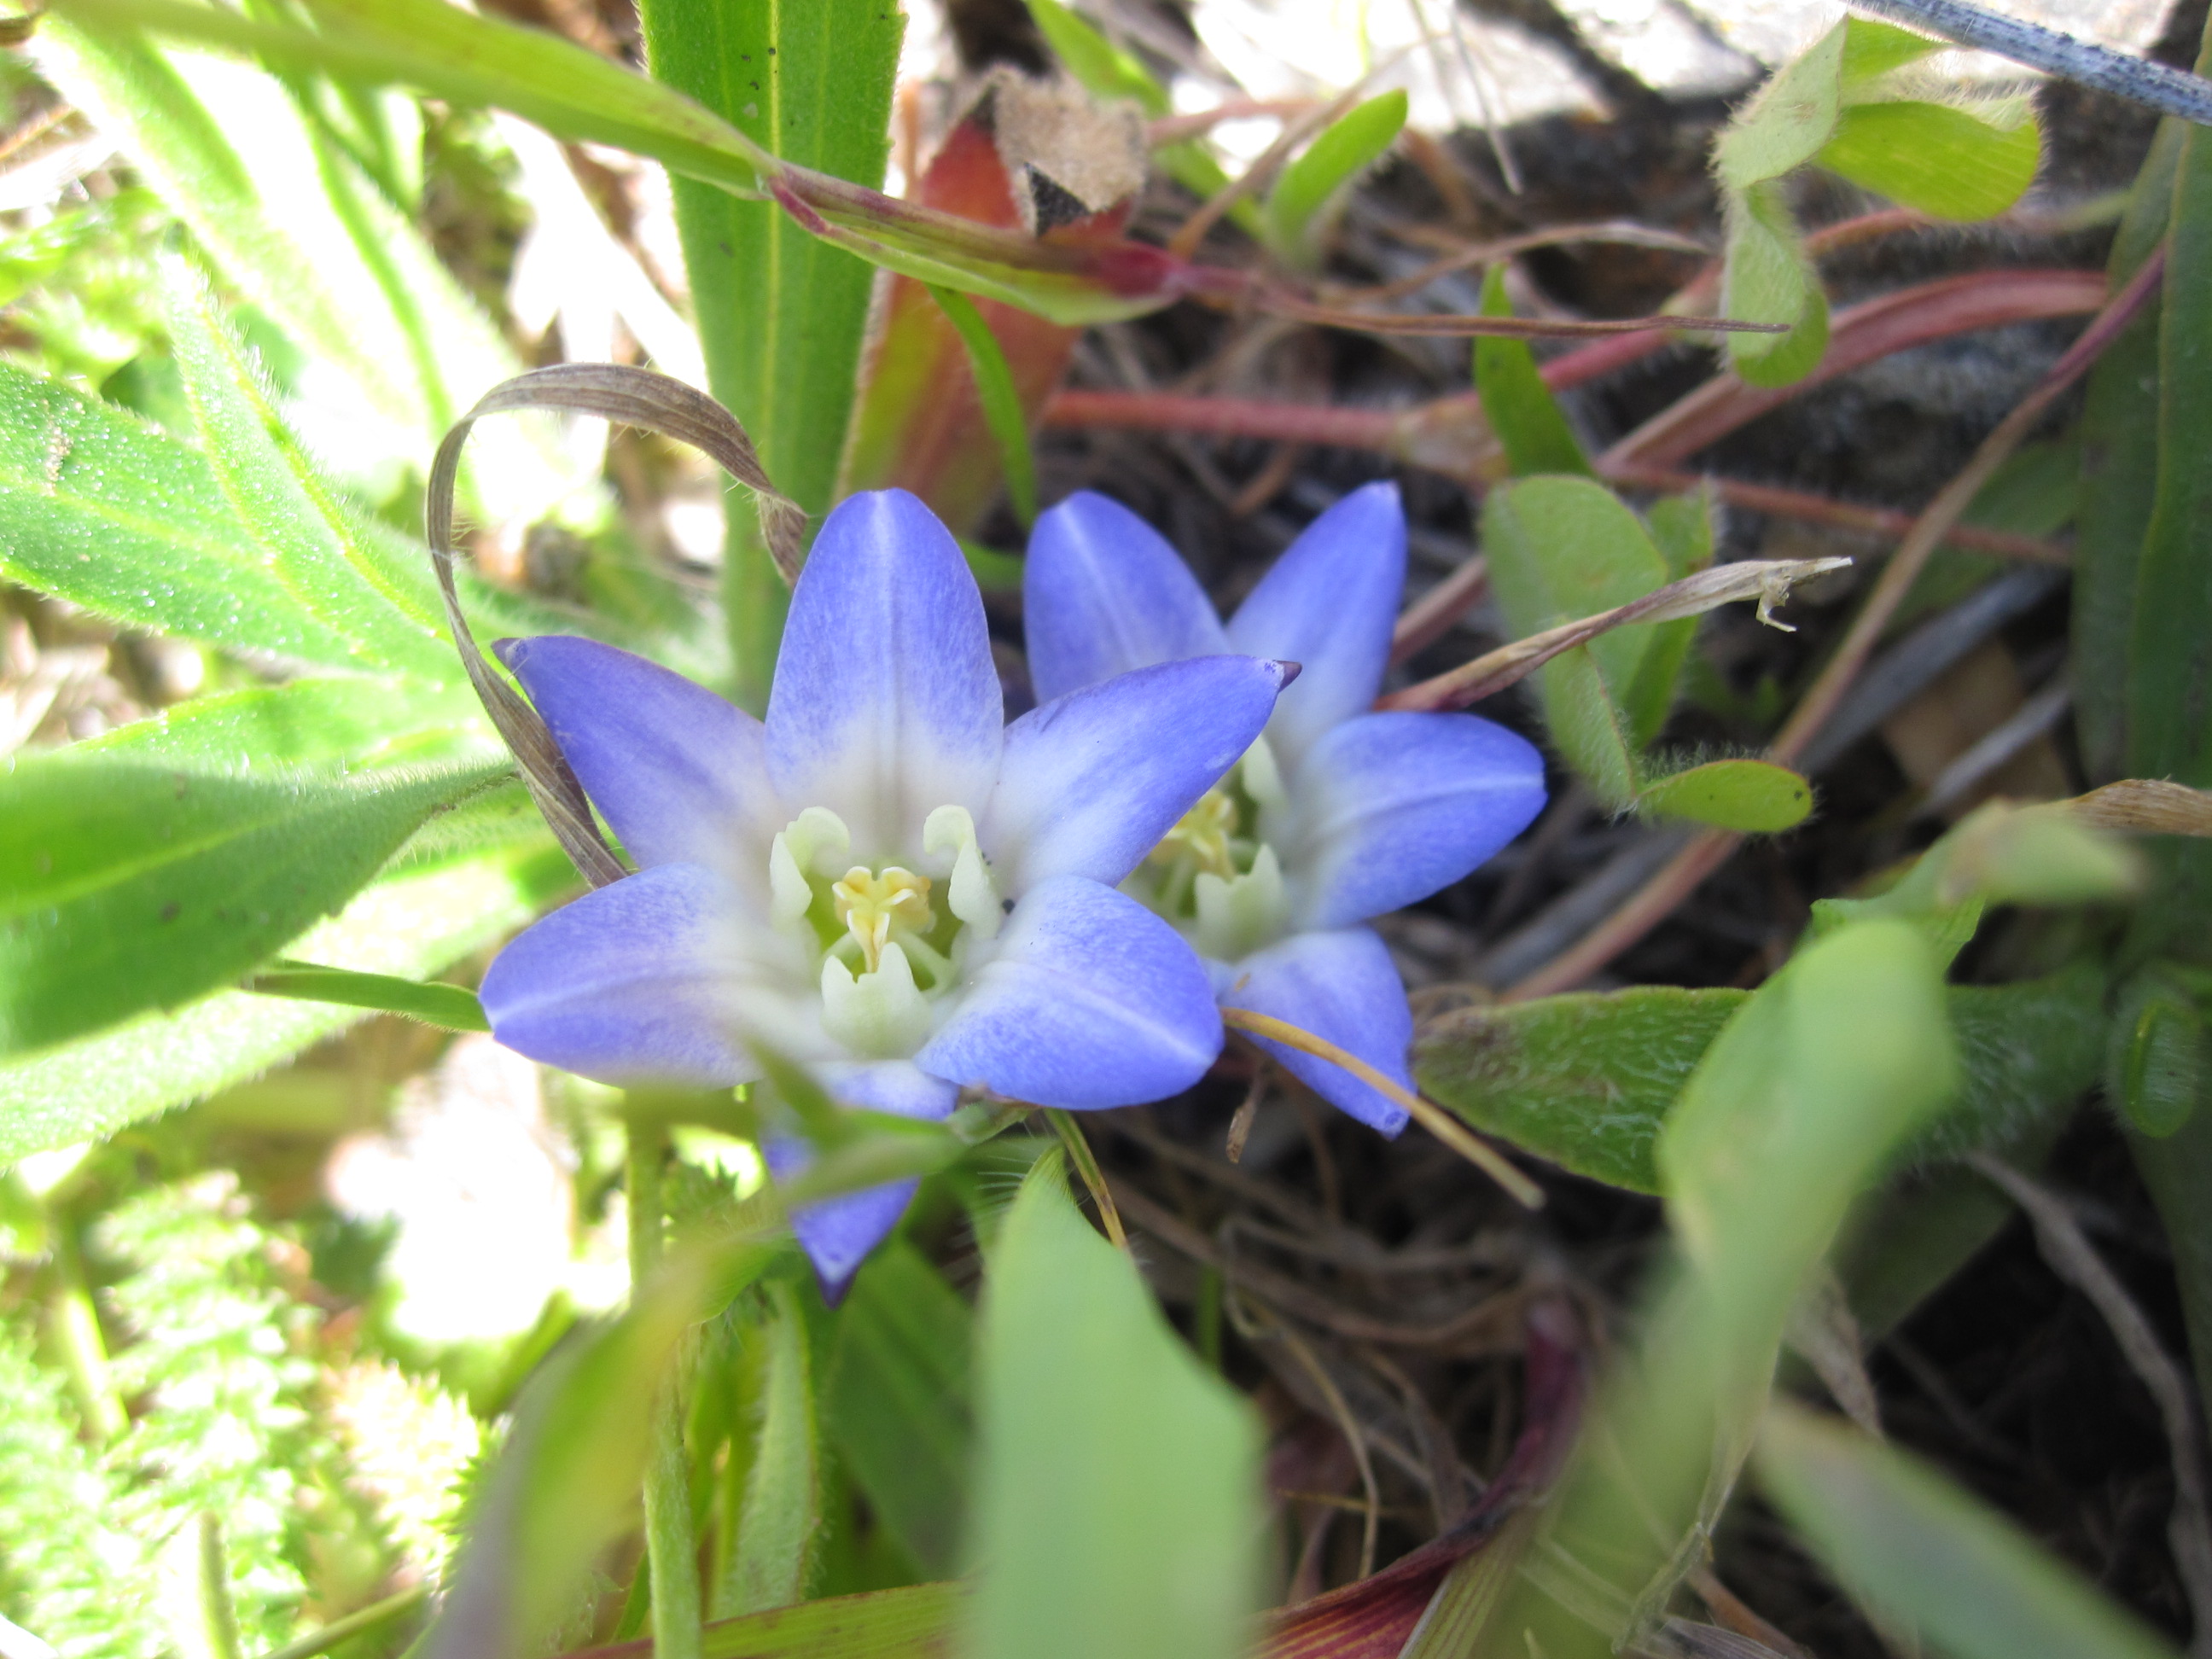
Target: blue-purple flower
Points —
{"points": [[1338, 814], [884, 880]]}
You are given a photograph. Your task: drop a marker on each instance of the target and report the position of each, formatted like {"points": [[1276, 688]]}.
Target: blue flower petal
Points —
{"points": [[885, 705], [1328, 604], [838, 1232], [1342, 986], [1091, 781], [1102, 593], [1089, 1000], [1393, 807], [681, 773], [629, 985]]}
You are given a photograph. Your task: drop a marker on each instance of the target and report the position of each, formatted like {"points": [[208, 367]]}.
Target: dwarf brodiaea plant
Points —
{"points": [[883, 881]]}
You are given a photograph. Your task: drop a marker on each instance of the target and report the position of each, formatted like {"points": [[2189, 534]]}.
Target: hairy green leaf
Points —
{"points": [[1561, 548], [1797, 1105], [126, 885], [1793, 115], [779, 1529], [1767, 278], [1754, 797], [310, 540], [1911, 1545], [1938, 161], [98, 508], [412, 923], [1682, 530], [291, 219], [1588, 1079], [898, 1403], [1117, 1505]]}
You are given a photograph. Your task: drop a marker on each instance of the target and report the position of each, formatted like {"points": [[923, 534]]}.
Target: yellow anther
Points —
{"points": [[1202, 833], [875, 907]]}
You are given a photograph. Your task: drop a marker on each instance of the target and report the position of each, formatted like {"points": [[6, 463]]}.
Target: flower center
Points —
{"points": [[883, 951], [1215, 875], [874, 906], [1202, 835]]}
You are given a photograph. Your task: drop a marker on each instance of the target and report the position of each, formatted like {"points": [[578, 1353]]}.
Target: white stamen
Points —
{"points": [[1239, 915], [879, 1015], [971, 895]]}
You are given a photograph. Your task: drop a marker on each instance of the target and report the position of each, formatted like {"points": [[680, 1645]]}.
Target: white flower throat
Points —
{"points": [[887, 952], [1216, 875]]}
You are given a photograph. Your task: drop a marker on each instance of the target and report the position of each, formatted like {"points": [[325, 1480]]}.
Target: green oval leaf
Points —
{"points": [[1752, 797], [1936, 160]]}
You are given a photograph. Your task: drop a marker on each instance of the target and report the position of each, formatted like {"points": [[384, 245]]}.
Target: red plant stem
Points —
{"points": [[1227, 417], [1677, 880], [1895, 322], [1819, 509]]}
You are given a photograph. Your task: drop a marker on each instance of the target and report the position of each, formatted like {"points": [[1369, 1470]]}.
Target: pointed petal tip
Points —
{"points": [[511, 651], [1290, 670]]}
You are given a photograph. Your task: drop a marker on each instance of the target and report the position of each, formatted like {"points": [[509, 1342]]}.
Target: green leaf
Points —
{"points": [[1561, 548], [2157, 1064], [127, 884], [1873, 49], [1299, 206], [331, 726], [459, 55], [781, 313], [410, 924], [1116, 1508], [310, 540], [1938, 161], [1797, 1104], [98, 508], [2028, 1053], [293, 221], [1102, 68], [1584, 1080], [781, 1521], [1682, 529], [898, 1403], [1587, 1080], [1002, 403], [1768, 278], [449, 1007], [1588, 725], [1752, 797], [1911, 1545], [1785, 124], [2118, 481], [1520, 408], [566, 1481]]}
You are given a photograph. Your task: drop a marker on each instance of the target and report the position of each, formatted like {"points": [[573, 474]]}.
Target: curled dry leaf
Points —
{"points": [[1768, 581], [636, 396], [2149, 806]]}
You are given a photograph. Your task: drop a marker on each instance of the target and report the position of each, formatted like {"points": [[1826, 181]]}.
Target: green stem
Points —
{"points": [[672, 1544], [375, 1616], [218, 1618], [75, 1329]]}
